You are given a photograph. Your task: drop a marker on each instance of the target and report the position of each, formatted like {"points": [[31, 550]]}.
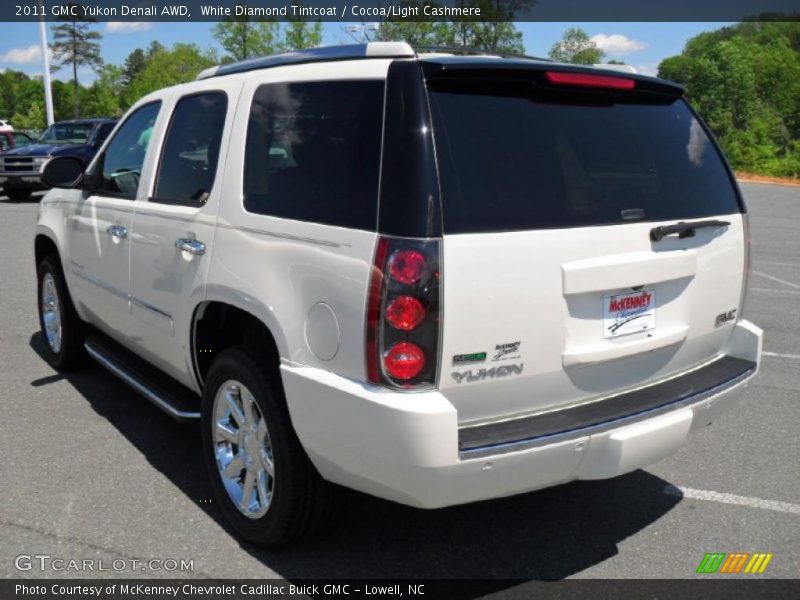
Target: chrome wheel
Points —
{"points": [[51, 313], [243, 450]]}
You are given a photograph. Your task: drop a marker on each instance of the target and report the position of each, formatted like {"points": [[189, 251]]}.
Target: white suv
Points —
{"points": [[432, 278]]}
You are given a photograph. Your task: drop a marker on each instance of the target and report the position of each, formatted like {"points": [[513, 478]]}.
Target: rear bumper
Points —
{"points": [[405, 447]]}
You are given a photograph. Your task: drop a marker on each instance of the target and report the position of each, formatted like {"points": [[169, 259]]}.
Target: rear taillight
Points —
{"points": [[747, 264], [589, 80], [402, 342]]}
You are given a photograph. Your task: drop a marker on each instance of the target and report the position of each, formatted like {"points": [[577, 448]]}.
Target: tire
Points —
{"points": [[291, 503], [61, 326], [17, 195]]}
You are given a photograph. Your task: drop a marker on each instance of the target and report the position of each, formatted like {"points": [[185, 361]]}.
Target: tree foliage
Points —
{"points": [[745, 82], [165, 67], [496, 31], [243, 38], [576, 47], [76, 45]]}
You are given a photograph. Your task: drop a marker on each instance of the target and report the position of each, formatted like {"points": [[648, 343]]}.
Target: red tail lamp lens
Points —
{"points": [[588, 80], [408, 266], [405, 313], [404, 361]]}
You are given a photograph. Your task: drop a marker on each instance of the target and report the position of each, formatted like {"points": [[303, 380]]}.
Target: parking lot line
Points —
{"points": [[777, 264], [749, 501], [778, 279], [779, 355], [772, 291]]}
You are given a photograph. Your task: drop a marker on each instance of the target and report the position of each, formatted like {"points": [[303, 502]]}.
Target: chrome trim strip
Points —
{"points": [[284, 236], [554, 438], [143, 389], [95, 281], [151, 308]]}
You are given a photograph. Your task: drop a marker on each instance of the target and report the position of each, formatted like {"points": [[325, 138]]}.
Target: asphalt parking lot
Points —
{"points": [[90, 470]]}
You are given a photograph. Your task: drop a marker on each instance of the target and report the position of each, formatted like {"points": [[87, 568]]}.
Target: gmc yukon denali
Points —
{"points": [[432, 278]]}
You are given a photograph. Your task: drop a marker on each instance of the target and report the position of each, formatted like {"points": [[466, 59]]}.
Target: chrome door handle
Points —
{"points": [[190, 246], [117, 231]]}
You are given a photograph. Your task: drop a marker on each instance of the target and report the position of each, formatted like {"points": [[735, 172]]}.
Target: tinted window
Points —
{"points": [[191, 150], [102, 133], [67, 133], [313, 152], [523, 159], [120, 167]]}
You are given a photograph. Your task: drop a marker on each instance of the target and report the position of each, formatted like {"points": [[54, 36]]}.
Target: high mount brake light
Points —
{"points": [[402, 341], [589, 80]]}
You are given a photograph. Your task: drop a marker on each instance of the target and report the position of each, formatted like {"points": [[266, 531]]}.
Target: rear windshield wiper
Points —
{"points": [[683, 230]]}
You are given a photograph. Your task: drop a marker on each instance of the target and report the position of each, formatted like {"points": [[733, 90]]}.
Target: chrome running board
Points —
{"points": [[178, 401]]}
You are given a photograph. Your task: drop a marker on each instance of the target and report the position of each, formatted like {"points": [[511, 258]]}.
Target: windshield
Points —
{"points": [[515, 158], [67, 133]]}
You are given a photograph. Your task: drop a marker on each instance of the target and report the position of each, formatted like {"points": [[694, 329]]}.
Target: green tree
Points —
{"points": [[74, 44], [165, 68], [576, 47], [134, 63], [104, 97], [416, 33], [32, 119], [302, 34], [745, 81], [242, 38]]}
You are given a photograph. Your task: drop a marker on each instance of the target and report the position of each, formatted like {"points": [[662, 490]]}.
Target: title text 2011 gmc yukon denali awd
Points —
{"points": [[432, 278]]}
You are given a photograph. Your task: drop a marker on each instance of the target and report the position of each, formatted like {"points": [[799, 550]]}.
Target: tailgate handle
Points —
{"points": [[683, 230]]}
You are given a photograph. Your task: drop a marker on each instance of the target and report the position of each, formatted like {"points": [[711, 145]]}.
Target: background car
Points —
{"points": [[14, 139], [21, 168]]}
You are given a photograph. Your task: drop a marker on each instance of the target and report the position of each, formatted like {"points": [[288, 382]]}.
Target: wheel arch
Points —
{"points": [[44, 244], [220, 324]]}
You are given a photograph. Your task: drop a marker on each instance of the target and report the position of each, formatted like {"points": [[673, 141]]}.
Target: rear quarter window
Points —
{"points": [[313, 152], [514, 158]]}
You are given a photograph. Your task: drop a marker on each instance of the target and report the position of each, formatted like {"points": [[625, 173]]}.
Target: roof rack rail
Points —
{"points": [[328, 53], [476, 52]]}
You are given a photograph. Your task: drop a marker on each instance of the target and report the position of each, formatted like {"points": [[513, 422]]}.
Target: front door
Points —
{"points": [[99, 227]]}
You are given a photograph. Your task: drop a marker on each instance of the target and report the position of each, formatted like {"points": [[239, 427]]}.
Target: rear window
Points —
{"points": [[513, 157]]}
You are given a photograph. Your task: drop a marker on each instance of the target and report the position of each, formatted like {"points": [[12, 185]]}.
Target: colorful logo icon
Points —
{"points": [[734, 563]]}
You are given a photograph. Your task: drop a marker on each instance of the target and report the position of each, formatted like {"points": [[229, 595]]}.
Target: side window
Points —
{"points": [[102, 133], [120, 167], [4, 143], [191, 150], [313, 152]]}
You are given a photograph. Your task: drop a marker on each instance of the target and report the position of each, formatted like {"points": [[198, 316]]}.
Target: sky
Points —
{"points": [[642, 45]]}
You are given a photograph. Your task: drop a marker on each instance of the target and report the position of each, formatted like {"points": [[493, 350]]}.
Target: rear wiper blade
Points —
{"points": [[683, 229]]}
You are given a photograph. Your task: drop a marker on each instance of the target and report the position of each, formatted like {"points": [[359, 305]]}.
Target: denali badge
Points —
{"points": [[725, 317], [507, 351], [492, 373]]}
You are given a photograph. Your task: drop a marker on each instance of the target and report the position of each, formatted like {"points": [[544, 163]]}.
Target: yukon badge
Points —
{"points": [[491, 373]]}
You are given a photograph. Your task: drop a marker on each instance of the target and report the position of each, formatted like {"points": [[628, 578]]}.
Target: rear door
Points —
{"points": [[555, 292], [173, 232]]}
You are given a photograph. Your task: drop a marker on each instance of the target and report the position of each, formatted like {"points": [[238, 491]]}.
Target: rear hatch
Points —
{"points": [[559, 285]]}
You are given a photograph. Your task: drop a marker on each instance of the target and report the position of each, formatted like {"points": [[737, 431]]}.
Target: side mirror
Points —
{"points": [[63, 172]]}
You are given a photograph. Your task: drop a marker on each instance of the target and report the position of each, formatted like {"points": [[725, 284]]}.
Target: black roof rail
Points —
{"points": [[311, 55]]}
